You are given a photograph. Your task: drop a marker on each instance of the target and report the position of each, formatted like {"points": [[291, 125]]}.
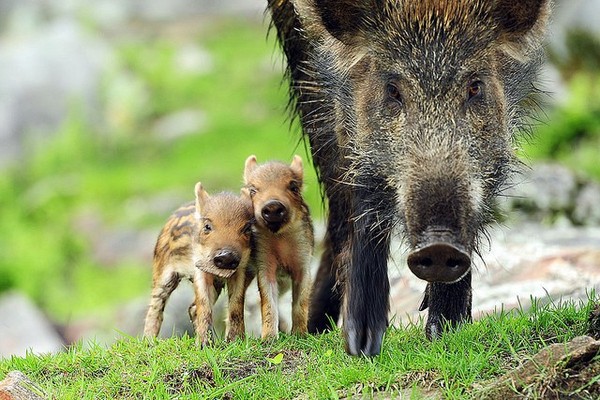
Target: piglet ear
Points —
{"points": [[201, 198], [522, 24], [245, 194], [249, 167], [296, 166]]}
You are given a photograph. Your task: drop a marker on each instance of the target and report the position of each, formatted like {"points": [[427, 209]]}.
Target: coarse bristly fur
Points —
{"points": [[412, 110], [284, 240], [210, 243]]}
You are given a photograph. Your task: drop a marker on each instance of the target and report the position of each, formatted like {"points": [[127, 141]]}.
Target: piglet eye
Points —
{"points": [[294, 187], [393, 92], [207, 228], [474, 90], [252, 191]]}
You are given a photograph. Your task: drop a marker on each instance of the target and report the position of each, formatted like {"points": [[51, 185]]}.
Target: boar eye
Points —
{"points": [[252, 191], [247, 230], [475, 90], [393, 92], [207, 228]]}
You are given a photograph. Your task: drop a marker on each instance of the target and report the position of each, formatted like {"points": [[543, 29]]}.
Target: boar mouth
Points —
{"points": [[223, 263], [274, 227], [439, 258], [213, 270]]}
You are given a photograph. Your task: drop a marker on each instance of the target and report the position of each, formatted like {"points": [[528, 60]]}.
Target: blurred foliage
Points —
{"points": [[109, 171], [113, 171], [571, 132]]}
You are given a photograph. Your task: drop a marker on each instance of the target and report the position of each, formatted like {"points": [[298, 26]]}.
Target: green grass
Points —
{"points": [[310, 367]]}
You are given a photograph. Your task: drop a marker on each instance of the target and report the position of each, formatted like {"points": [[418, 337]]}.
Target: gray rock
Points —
{"points": [[180, 123], [156, 10], [176, 318], [24, 328], [111, 245], [534, 376], [587, 205], [552, 83], [571, 15], [553, 194], [111, 13], [42, 77], [542, 191], [17, 386]]}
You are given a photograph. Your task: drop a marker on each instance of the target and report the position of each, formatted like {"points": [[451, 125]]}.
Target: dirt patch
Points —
{"points": [[578, 382], [594, 323], [196, 376], [560, 371]]}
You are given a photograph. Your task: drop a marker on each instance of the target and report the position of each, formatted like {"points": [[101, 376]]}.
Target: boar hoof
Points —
{"points": [[362, 339], [439, 262]]}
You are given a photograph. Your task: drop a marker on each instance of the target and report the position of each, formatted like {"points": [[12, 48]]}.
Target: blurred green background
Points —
{"points": [[70, 204], [112, 178]]}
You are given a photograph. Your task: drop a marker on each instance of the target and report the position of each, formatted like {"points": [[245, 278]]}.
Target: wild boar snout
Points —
{"points": [[227, 259], [440, 258], [275, 214]]}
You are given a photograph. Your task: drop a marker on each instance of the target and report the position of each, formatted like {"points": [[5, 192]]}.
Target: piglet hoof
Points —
{"points": [[269, 337], [362, 339], [232, 337], [206, 341]]}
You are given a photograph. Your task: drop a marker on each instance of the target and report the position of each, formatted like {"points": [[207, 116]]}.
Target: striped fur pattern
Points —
{"points": [[208, 242]]}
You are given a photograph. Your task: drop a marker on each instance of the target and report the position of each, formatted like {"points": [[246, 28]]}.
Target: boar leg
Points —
{"points": [[326, 296], [368, 286], [448, 304]]}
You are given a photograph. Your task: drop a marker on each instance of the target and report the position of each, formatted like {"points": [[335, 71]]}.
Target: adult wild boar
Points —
{"points": [[411, 108]]}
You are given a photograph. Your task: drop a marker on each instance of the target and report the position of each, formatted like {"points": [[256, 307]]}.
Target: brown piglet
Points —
{"points": [[284, 240], [208, 242]]}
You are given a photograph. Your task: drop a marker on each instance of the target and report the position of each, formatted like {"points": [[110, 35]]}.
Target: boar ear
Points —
{"points": [[341, 18], [201, 198], [522, 23], [249, 167], [296, 166], [345, 20]]}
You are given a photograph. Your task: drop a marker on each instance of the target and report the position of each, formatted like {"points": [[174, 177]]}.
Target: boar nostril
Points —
{"points": [[226, 259], [274, 211], [426, 262]]}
